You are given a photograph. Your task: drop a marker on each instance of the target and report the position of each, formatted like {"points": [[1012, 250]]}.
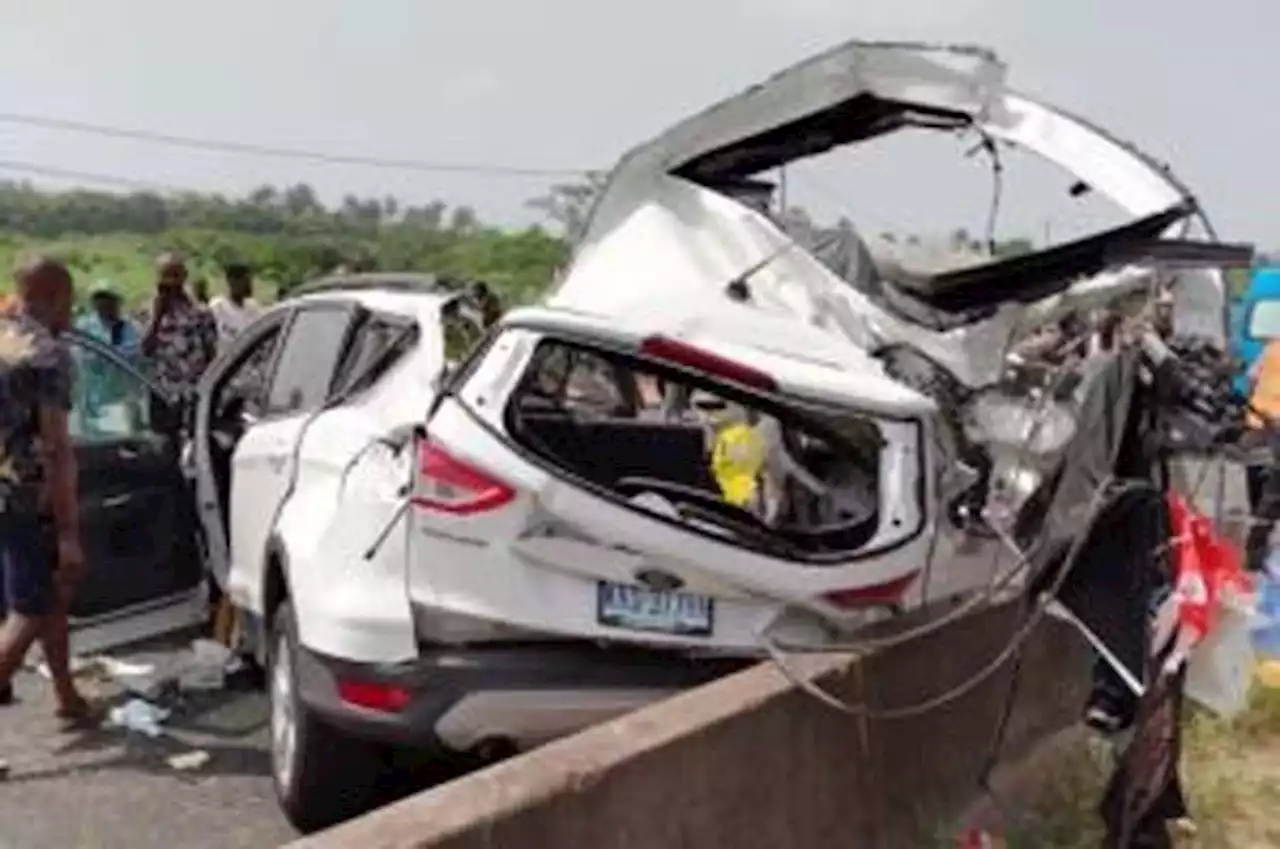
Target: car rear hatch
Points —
{"points": [[600, 483]]}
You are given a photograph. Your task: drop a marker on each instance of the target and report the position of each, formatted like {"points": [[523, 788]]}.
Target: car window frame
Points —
{"points": [[803, 414], [397, 323], [354, 311], [71, 338]]}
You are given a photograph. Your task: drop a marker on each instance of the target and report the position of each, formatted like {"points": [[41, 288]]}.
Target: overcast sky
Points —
{"points": [[573, 83]]}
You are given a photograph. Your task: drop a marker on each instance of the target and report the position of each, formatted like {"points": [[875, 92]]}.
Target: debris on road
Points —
{"points": [[187, 761], [139, 716], [4, 769], [207, 667], [81, 667]]}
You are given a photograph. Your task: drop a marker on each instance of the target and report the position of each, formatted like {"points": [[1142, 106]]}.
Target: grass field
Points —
{"points": [[1231, 773], [126, 261]]}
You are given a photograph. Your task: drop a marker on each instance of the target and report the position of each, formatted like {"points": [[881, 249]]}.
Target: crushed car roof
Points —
{"points": [[660, 204]]}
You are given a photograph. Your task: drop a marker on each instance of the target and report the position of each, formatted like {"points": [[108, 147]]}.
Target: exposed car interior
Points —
{"points": [[672, 443], [237, 401]]}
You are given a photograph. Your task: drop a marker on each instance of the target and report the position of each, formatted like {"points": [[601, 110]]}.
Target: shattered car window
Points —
{"points": [[701, 453]]}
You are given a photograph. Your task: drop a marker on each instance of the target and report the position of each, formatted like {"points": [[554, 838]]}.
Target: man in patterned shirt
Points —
{"points": [[181, 336], [41, 558]]}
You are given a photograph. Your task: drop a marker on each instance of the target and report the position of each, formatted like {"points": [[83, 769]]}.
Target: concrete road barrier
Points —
{"points": [[751, 760]]}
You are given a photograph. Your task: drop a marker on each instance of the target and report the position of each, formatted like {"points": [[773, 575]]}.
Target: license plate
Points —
{"points": [[639, 609]]}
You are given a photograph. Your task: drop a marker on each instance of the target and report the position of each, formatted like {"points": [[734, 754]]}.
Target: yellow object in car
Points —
{"points": [[737, 456]]}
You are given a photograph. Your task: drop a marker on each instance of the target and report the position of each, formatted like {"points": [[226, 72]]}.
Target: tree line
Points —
{"points": [[287, 234]]}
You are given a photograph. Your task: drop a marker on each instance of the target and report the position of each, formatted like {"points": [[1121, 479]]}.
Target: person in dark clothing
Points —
{"points": [[41, 559], [490, 304]]}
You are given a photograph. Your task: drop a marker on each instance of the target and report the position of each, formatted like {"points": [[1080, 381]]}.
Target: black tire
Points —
{"points": [[330, 777]]}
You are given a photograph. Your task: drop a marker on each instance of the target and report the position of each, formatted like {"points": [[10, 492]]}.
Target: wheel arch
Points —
{"points": [[275, 590]]}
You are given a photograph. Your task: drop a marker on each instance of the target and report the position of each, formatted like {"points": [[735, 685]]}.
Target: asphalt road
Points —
{"points": [[112, 789]]}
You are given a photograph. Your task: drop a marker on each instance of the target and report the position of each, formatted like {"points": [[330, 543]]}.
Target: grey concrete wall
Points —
{"points": [[751, 761]]}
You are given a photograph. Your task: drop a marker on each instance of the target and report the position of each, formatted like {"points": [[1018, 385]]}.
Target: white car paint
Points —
{"points": [[347, 490], [657, 254], [493, 566], [656, 240]]}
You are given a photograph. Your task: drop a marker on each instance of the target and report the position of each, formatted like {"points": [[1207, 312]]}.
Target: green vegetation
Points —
{"points": [[1231, 774], [289, 237]]}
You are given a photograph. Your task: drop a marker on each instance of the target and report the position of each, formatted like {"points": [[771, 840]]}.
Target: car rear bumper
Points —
{"points": [[518, 694]]}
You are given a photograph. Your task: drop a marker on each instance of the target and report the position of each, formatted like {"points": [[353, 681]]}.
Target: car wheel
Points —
{"points": [[322, 776]]}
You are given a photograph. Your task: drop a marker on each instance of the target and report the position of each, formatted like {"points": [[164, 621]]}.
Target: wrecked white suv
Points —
{"points": [[707, 441], [373, 557]]}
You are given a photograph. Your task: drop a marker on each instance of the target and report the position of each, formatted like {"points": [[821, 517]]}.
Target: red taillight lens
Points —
{"points": [[684, 354], [448, 485], [872, 596], [380, 697]]}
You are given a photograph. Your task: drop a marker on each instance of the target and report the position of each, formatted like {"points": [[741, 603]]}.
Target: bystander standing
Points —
{"points": [[181, 338], [237, 309], [41, 559]]}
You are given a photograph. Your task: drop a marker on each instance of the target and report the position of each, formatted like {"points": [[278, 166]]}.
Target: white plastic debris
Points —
{"points": [[139, 678], [187, 761], [80, 667], [139, 716], [1220, 669], [207, 667]]}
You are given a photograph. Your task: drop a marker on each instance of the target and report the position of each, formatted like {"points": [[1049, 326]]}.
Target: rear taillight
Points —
{"points": [[690, 356], [875, 595], [386, 698], [446, 484]]}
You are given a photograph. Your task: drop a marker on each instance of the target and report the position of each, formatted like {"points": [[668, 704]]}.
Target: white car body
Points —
{"points": [[447, 584]]}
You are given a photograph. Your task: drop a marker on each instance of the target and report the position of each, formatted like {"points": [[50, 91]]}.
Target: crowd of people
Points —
{"points": [[181, 331], [41, 555]]}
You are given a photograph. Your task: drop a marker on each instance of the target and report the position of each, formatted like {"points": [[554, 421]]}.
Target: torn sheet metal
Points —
{"points": [[660, 227]]}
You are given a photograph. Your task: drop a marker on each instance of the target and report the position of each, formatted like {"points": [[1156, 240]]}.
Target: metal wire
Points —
{"points": [[999, 581], [1010, 650], [1107, 490]]}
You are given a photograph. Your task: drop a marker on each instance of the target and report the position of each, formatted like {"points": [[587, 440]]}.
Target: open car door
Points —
{"points": [[588, 482], [145, 572]]}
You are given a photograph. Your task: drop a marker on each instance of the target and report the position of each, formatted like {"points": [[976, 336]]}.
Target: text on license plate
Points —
{"points": [[640, 609]]}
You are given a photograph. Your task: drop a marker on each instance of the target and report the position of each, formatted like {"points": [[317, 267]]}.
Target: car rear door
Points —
{"points": [[138, 524], [503, 533], [263, 465]]}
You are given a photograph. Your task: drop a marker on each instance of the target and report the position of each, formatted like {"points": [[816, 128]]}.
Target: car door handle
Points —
{"points": [[117, 500], [277, 462], [126, 453]]}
